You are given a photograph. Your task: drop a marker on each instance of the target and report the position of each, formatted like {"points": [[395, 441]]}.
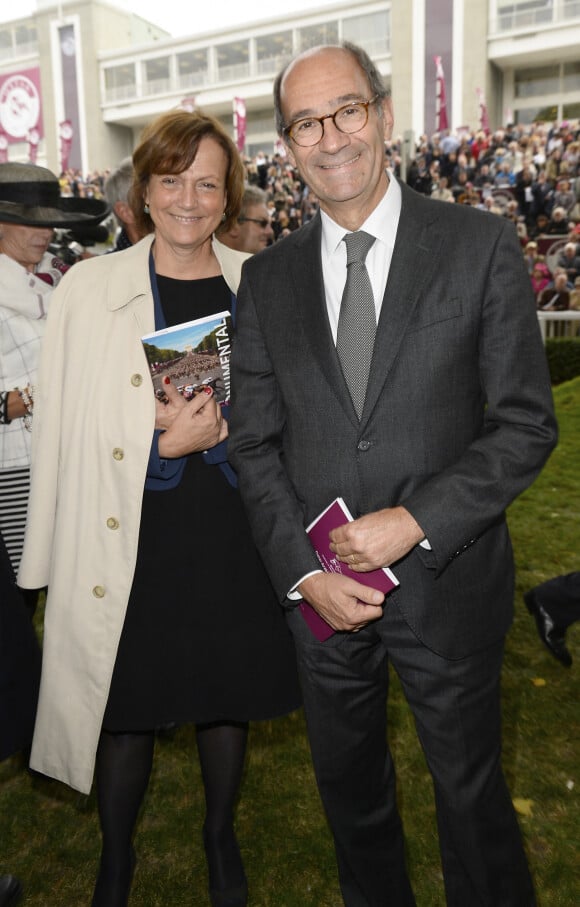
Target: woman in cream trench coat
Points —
{"points": [[92, 584]]}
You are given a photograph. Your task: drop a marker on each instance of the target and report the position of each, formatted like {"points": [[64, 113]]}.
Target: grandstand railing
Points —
{"points": [[559, 324]]}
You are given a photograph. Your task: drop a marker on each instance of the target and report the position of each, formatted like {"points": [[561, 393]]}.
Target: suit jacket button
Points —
{"points": [[112, 523], [99, 592], [136, 380], [363, 445], [118, 453]]}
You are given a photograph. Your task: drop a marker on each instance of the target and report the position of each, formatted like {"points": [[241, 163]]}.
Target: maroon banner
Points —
{"points": [[20, 104], [66, 137], [240, 123], [483, 114], [441, 121]]}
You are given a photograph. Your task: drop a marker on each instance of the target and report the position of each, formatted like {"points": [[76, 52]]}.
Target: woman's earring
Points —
{"points": [[224, 217], [146, 208]]}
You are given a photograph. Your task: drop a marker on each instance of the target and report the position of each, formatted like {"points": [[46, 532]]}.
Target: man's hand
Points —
{"points": [[376, 540], [341, 601]]}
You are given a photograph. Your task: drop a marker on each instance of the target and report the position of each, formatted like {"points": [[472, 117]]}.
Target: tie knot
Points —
{"points": [[357, 246]]}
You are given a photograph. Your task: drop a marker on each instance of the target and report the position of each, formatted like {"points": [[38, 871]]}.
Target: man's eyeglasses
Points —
{"points": [[263, 221], [349, 118]]}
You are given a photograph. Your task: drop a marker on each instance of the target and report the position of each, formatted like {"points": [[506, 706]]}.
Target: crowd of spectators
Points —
{"points": [[529, 174]]}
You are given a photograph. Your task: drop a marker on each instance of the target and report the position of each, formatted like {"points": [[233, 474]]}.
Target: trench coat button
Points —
{"points": [[363, 445], [99, 591], [137, 380], [112, 523], [118, 453]]}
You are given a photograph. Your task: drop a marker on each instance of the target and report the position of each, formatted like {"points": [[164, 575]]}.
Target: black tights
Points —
{"points": [[122, 773], [221, 748]]}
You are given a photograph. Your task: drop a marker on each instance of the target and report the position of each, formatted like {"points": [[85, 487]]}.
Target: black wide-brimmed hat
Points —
{"points": [[30, 195]]}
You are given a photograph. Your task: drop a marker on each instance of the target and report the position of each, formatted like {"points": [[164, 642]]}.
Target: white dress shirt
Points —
{"points": [[382, 224]]}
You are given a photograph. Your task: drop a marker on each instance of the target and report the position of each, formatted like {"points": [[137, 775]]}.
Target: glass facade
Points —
{"points": [[372, 31], [157, 75], [120, 82], [523, 13], [556, 88], [535, 81], [17, 41], [192, 68]]}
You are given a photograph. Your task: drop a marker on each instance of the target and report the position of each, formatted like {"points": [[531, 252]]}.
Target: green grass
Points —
{"points": [[49, 835]]}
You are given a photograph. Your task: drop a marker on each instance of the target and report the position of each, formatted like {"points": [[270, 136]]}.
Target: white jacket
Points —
{"points": [[24, 300]]}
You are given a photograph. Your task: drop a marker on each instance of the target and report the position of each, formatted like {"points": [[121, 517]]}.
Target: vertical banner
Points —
{"points": [[240, 123], [441, 121], [3, 147], [33, 139], [483, 114], [67, 36], [65, 131]]}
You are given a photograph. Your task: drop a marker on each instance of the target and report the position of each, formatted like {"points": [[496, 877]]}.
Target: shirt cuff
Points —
{"points": [[294, 595]]}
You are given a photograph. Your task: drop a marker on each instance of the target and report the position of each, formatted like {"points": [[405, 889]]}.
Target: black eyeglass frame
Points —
{"points": [[287, 131], [264, 222]]}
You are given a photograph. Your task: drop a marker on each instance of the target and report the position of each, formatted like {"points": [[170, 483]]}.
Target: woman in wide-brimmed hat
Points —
{"points": [[30, 208], [30, 195]]}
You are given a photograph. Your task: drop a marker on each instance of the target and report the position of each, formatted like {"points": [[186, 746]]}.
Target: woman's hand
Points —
{"points": [[166, 411], [189, 426]]}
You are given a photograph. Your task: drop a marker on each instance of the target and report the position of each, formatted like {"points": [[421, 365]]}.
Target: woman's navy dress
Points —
{"points": [[204, 638]]}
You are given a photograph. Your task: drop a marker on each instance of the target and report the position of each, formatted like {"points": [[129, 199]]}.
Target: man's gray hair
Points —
{"points": [[118, 182], [253, 195]]}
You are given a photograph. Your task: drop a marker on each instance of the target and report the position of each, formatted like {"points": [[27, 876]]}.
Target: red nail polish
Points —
{"points": [[167, 380], [207, 390]]}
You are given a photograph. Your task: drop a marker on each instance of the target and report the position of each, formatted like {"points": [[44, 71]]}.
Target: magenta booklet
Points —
{"points": [[337, 514]]}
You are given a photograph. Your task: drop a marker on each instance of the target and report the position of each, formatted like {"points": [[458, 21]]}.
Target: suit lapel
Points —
{"points": [[311, 302], [415, 257]]}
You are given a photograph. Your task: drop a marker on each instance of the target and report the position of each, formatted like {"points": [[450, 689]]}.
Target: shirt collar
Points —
{"points": [[382, 223]]}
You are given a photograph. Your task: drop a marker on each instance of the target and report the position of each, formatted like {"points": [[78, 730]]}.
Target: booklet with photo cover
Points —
{"points": [[193, 354], [383, 579]]}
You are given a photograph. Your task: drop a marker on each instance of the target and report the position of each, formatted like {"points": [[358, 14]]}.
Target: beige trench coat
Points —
{"points": [[93, 423]]}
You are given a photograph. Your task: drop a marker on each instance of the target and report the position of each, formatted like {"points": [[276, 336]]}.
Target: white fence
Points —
{"points": [[559, 324]]}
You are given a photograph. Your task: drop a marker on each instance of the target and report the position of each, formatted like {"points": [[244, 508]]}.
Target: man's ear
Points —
{"points": [[124, 212]]}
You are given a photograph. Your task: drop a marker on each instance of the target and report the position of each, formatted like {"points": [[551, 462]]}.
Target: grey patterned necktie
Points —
{"points": [[357, 322]]}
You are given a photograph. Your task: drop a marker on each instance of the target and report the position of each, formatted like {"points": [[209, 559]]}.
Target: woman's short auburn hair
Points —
{"points": [[169, 144]]}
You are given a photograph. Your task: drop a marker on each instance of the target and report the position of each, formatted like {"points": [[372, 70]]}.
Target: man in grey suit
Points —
{"points": [[458, 420]]}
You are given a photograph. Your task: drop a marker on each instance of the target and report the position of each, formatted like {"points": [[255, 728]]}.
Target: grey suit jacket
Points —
{"points": [[458, 418]]}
